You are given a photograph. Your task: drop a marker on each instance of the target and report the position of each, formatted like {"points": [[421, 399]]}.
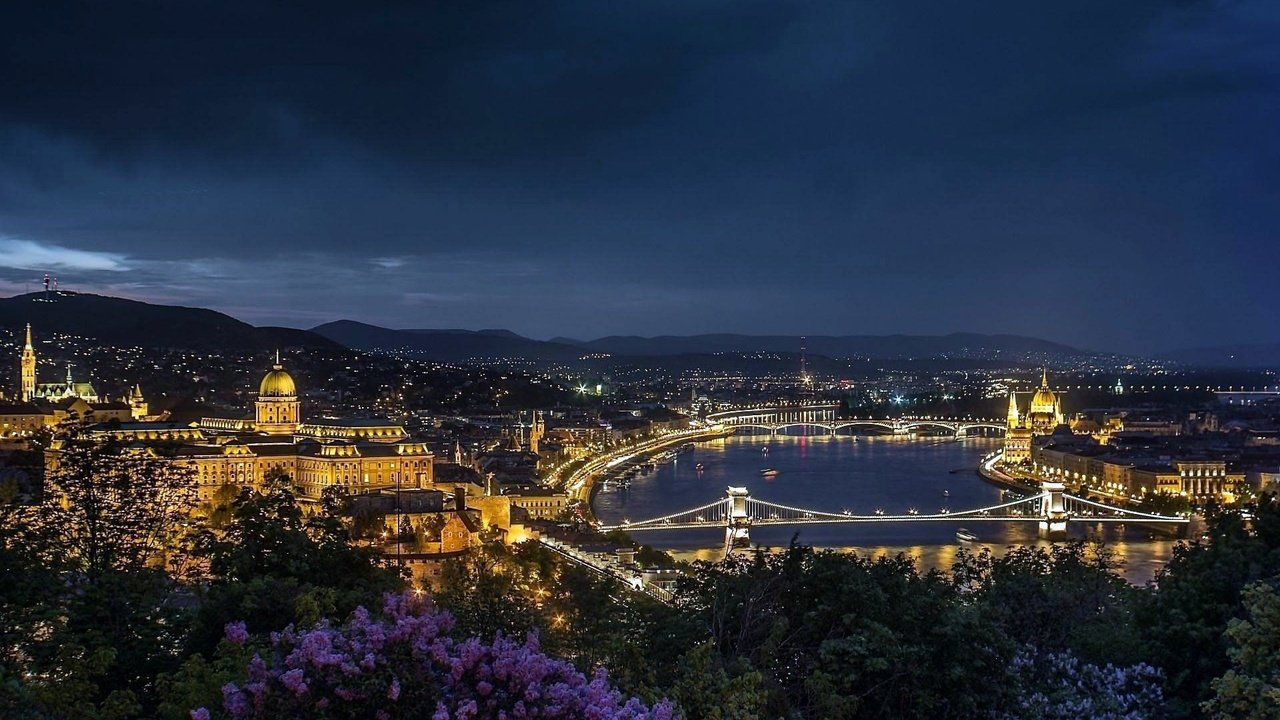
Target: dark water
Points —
{"points": [[835, 474]]}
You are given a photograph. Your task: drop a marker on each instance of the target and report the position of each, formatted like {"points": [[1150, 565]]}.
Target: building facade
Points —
{"points": [[1043, 416], [354, 456], [46, 405]]}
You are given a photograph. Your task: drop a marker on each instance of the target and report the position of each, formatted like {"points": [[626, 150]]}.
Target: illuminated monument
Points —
{"points": [[44, 405], [27, 370], [30, 391], [1042, 417], [277, 408], [353, 455]]}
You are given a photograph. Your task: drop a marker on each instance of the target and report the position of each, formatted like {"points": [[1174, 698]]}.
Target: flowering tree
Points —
{"points": [[1058, 686], [405, 665]]}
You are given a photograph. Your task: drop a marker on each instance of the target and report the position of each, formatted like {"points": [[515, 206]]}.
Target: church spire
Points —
{"points": [[1044, 378], [1014, 420], [27, 371]]}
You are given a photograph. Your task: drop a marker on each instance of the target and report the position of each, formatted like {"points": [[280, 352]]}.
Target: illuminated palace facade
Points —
{"points": [[1042, 417], [353, 455]]}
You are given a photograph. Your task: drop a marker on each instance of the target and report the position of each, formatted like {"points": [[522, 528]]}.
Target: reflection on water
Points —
{"points": [[837, 474]]}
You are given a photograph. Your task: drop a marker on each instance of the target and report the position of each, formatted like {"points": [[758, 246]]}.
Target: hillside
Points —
{"points": [[446, 345], [458, 345], [125, 323], [967, 345]]}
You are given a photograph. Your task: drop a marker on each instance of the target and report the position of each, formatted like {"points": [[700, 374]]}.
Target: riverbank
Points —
{"points": [[987, 471], [581, 486]]}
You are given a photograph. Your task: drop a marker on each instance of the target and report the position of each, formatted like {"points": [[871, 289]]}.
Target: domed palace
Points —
{"points": [[1042, 417], [277, 410], [357, 455]]}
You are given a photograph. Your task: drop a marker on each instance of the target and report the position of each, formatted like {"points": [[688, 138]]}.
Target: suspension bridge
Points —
{"points": [[825, 418], [1051, 509]]}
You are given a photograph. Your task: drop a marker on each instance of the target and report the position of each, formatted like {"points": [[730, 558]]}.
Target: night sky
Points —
{"points": [[1105, 174]]}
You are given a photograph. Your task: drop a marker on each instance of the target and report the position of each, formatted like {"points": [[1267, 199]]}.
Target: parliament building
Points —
{"points": [[1042, 417]]}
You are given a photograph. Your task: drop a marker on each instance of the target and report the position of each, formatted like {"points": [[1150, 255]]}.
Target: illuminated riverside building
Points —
{"points": [[1088, 467], [1043, 416], [1087, 459], [357, 456]]}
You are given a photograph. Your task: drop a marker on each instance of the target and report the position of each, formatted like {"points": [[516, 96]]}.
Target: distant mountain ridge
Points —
{"points": [[459, 345], [131, 323], [837, 346], [446, 345], [122, 322]]}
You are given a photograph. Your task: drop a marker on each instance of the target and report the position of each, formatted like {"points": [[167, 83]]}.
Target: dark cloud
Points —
{"points": [[1070, 169]]}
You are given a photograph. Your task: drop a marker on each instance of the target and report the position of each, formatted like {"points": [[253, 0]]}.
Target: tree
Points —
{"points": [[92, 607], [485, 597], [1066, 598], [1198, 593], [835, 635], [112, 507], [1058, 686], [406, 664], [706, 689], [1250, 690], [274, 566]]}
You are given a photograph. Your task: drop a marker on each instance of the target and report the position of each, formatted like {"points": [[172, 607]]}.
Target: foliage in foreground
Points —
{"points": [[405, 664], [113, 606]]}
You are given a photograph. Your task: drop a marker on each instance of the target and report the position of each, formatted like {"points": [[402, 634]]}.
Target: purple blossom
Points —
{"points": [[295, 680], [200, 714], [234, 701], [237, 633], [404, 664], [1058, 686]]}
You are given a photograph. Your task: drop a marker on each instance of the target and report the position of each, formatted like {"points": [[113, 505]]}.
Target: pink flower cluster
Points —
{"points": [[405, 665]]}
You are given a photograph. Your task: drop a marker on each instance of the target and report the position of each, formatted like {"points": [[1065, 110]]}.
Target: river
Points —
{"points": [[840, 473]]}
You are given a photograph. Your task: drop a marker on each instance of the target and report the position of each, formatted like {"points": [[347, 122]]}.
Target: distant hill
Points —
{"points": [[446, 345], [967, 345], [125, 323], [117, 321], [458, 345], [1262, 355]]}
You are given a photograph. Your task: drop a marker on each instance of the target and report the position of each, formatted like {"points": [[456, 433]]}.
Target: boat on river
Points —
{"points": [[966, 536]]}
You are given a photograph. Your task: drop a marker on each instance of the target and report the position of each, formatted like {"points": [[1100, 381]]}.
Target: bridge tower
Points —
{"points": [[737, 531], [1053, 523]]}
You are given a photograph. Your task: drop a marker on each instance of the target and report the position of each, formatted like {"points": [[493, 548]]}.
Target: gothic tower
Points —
{"points": [[28, 371], [535, 432], [137, 403]]}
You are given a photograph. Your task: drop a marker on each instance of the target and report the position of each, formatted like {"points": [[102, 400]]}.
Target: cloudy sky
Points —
{"points": [[1100, 173]]}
